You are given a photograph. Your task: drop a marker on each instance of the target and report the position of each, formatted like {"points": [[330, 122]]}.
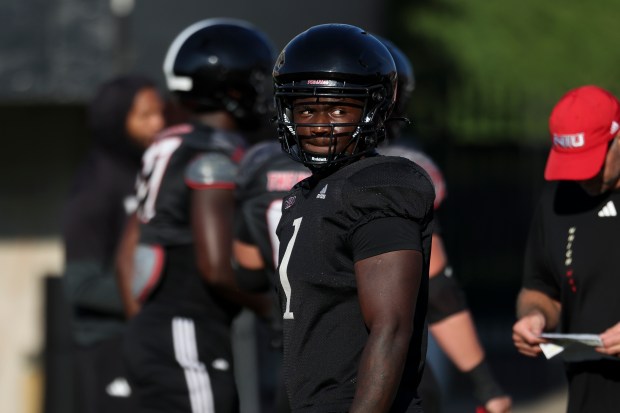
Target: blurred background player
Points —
{"points": [[266, 174], [178, 278], [450, 321], [124, 117]]}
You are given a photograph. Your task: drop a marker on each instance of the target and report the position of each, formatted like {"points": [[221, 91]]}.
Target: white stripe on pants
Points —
{"points": [[196, 375]]}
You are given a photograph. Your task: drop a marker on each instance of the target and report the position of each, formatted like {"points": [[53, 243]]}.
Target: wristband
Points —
{"points": [[485, 386]]}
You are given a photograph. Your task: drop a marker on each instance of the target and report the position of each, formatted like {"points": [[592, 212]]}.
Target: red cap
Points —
{"points": [[581, 124]]}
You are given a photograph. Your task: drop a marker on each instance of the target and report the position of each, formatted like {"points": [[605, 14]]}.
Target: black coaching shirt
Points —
{"points": [[322, 234], [572, 256]]}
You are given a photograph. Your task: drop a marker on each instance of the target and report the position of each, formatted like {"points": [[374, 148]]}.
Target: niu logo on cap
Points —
{"points": [[576, 140]]}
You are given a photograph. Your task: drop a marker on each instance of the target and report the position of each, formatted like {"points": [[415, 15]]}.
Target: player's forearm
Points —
{"points": [[535, 302], [124, 273], [456, 336], [380, 370], [125, 266]]}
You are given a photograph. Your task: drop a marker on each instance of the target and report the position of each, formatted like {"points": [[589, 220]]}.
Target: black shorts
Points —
{"points": [[178, 348], [100, 379], [180, 364], [430, 391]]}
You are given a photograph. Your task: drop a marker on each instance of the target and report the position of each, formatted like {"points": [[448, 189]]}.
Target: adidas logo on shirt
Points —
{"points": [[321, 195], [609, 210]]}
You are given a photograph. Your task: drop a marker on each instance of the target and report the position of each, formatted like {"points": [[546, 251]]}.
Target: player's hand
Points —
{"points": [[526, 334], [501, 404], [611, 341]]}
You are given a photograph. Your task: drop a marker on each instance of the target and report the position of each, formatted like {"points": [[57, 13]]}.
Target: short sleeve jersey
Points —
{"points": [[571, 255], [183, 158], [265, 176], [422, 159], [324, 331]]}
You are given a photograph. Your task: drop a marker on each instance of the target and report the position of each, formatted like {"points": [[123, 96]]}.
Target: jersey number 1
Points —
{"points": [[286, 285]]}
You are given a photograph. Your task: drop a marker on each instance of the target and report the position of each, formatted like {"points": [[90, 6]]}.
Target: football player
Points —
{"points": [[450, 321], [354, 237], [265, 176], [178, 278]]}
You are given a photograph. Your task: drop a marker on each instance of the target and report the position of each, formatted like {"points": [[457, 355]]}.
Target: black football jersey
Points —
{"points": [[183, 158], [324, 331], [422, 159], [265, 175]]}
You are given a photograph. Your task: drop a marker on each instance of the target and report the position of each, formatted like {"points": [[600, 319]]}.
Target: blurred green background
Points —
{"points": [[490, 71]]}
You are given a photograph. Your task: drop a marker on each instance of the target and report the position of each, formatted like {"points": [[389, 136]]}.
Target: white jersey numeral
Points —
{"points": [[274, 213], [154, 163], [286, 285]]}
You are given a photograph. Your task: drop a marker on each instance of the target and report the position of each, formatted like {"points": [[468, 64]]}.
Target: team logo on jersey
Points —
{"points": [[322, 194], [608, 211], [289, 202]]}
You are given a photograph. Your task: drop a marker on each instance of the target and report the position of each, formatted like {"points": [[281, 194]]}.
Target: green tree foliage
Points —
{"points": [[490, 71]]}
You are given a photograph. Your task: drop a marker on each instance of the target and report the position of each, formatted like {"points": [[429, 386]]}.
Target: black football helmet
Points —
{"points": [[406, 77], [335, 61], [222, 64]]}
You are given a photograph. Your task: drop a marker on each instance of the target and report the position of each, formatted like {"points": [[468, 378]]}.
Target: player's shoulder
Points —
{"points": [[413, 154], [388, 171], [258, 155], [383, 186], [425, 161], [200, 138], [266, 167], [211, 170], [175, 131]]}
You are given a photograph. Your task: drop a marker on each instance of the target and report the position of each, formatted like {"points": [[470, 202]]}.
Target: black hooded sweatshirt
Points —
{"points": [[99, 203]]}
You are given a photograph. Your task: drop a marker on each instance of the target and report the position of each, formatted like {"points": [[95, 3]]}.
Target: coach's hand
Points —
{"points": [[526, 334], [611, 341]]}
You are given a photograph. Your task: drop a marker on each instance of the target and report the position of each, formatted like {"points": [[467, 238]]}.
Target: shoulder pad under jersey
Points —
{"points": [[211, 170], [388, 187], [425, 162]]}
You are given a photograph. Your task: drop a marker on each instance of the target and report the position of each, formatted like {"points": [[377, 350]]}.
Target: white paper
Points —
{"points": [[550, 349], [593, 340], [573, 347]]}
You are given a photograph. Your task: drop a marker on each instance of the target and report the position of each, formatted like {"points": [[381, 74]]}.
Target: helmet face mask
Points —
{"points": [[361, 134], [329, 63], [222, 64]]}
